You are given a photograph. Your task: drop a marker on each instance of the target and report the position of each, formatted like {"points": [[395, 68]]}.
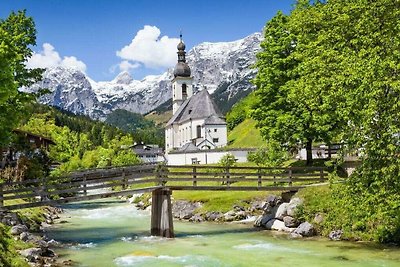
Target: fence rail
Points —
{"points": [[85, 185]]}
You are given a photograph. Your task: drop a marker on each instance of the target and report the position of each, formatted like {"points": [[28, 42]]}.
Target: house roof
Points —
{"points": [[188, 147], [199, 106], [35, 136]]}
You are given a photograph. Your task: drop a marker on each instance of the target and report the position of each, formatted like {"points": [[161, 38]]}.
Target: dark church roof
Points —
{"points": [[199, 106]]}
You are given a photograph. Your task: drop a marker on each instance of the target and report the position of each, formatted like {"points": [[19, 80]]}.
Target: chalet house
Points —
{"points": [[34, 142], [149, 153]]}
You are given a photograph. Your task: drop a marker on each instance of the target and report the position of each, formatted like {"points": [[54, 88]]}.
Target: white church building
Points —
{"points": [[196, 123], [197, 128]]}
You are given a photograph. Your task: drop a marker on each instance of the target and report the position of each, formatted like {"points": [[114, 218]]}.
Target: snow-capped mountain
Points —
{"points": [[221, 68], [71, 90]]}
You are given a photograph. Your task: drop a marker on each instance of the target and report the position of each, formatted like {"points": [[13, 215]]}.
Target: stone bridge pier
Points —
{"points": [[161, 214]]}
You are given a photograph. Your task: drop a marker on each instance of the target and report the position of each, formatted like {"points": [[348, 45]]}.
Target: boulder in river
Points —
{"points": [[305, 229], [293, 205], [183, 209], [277, 225], [336, 235], [290, 222]]}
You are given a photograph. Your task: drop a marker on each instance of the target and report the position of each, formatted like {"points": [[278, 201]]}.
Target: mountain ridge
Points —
{"points": [[72, 90]]}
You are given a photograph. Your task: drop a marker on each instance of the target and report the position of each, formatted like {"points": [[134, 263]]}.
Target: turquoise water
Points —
{"points": [[114, 233]]}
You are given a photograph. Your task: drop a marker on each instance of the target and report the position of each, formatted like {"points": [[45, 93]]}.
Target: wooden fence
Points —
{"points": [[75, 187], [122, 181], [200, 177]]}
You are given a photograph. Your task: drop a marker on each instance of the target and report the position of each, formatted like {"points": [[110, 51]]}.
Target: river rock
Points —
{"points": [[24, 236], [262, 220], [240, 215], [213, 216], [281, 211], [336, 235], [319, 218], [230, 216], [32, 254], [18, 229], [273, 200], [256, 205], [10, 218], [196, 218], [183, 209], [292, 207], [290, 222], [238, 208], [305, 229], [277, 225]]}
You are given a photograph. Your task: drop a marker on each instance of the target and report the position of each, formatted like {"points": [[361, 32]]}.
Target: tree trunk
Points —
{"points": [[309, 152]]}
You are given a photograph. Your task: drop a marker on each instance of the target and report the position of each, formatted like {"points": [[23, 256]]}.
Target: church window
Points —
{"points": [[215, 130], [198, 131], [184, 90], [215, 140]]}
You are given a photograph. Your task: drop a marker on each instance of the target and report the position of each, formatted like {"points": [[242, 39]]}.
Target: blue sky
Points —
{"points": [[103, 37]]}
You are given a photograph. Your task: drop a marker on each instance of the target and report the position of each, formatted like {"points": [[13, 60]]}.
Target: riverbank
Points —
{"points": [[271, 212], [23, 238]]}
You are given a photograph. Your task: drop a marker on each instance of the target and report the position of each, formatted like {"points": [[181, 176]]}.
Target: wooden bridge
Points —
{"points": [[160, 180]]}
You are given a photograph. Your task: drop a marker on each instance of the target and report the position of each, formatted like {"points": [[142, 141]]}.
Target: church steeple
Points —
{"points": [[182, 88], [182, 69]]}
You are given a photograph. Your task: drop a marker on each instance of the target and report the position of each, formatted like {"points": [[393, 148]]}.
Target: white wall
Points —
{"points": [[316, 154], [217, 131], [204, 156]]}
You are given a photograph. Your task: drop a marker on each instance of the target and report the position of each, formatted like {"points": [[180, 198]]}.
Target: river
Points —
{"points": [[114, 233]]}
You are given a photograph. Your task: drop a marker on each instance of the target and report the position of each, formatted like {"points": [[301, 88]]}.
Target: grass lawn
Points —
{"points": [[245, 135]]}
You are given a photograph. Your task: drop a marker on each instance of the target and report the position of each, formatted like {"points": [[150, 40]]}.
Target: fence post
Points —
{"points": [[228, 183], [84, 185], [321, 175], [1, 196], [161, 174], [290, 176], [194, 176], [124, 181], [43, 195], [259, 177]]}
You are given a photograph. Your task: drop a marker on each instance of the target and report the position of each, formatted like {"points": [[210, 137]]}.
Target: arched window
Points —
{"points": [[184, 91], [198, 131]]}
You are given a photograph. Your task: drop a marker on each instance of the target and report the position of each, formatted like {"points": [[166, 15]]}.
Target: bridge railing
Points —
{"points": [[197, 177], [84, 185], [91, 184]]}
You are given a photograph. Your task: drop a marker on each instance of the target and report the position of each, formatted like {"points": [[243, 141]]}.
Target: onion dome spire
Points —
{"points": [[181, 68]]}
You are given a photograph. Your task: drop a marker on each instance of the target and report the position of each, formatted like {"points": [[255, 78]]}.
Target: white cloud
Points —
{"points": [[149, 49], [49, 57], [127, 66]]}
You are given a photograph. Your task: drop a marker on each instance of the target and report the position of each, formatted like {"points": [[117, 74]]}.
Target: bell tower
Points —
{"points": [[182, 88]]}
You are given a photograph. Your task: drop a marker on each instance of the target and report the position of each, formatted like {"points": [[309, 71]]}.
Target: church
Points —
{"points": [[197, 123]]}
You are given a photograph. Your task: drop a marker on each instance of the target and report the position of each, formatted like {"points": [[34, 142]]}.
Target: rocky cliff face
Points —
{"points": [[222, 68], [70, 90]]}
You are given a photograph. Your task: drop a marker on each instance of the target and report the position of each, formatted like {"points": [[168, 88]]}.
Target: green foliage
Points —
{"points": [[144, 130], [125, 157], [77, 149], [240, 111], [328, 71], [17, 35], [227, 160], [270, 155], [365, 217], [8, 250]]}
